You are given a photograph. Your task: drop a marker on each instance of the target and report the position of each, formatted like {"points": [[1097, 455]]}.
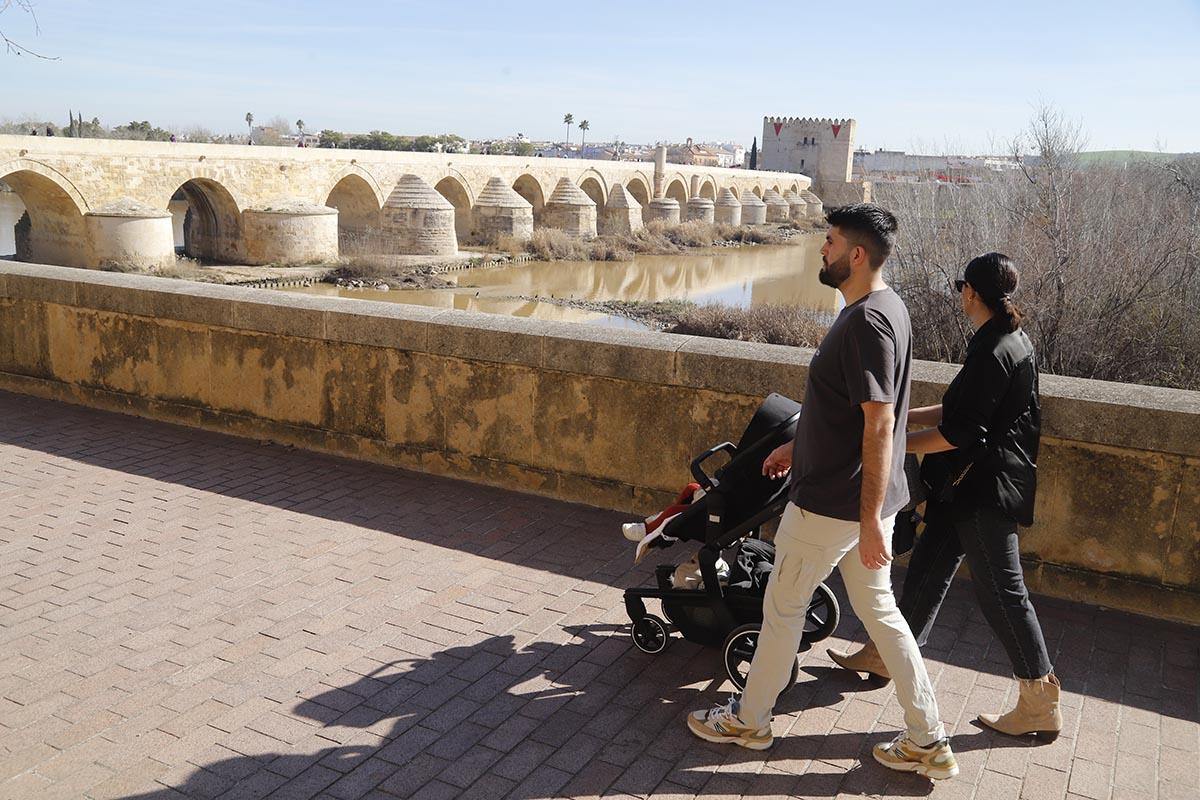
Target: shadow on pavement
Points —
{"points": [[582, 718]]}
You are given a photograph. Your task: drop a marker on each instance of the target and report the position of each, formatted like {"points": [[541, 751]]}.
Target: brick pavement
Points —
{"points": [[184, 614]]}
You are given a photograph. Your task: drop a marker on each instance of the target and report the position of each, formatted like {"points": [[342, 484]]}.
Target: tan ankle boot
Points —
{"points": [[865, 660], [1036, 713]]}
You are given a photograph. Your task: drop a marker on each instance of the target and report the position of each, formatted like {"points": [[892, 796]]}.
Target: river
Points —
{"points": [[738, 276]]}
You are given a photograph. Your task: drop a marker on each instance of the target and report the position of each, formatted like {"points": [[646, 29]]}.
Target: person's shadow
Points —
{"points": [[456, 714]]}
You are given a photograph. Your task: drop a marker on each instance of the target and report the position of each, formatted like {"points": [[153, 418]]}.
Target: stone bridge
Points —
{"points": [[100, 203]]}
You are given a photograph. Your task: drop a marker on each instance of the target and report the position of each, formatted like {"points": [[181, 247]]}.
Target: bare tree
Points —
{"points": [[16, 48], [1109, 257]]}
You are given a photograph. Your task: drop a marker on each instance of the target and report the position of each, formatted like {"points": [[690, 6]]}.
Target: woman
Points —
{"points": [[982, 444]]}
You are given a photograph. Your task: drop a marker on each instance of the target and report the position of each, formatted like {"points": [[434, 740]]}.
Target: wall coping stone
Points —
{"points": [[1122, 415]]}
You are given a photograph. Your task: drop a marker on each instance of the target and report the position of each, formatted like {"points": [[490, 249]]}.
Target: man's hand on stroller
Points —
{"points": [[779, 462], [873, 548]]}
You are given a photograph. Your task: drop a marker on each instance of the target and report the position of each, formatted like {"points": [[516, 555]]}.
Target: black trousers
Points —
{"points": [[987, 538]]}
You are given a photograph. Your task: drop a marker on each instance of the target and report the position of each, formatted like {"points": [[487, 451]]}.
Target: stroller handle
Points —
{"points": [[697, 463]]}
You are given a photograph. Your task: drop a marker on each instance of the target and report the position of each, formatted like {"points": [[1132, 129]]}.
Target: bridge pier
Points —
{"points": [[728, 208], [777, 207], [664, 208], [571, 210], [500, 211], [816, 209], [418, 221], [130, 234], [621, 214], [797, 206], [754, 210], [290, 233], [701, 209]]}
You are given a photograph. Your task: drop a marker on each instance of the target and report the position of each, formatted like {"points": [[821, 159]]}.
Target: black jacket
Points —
{"points": [[997, 384]]}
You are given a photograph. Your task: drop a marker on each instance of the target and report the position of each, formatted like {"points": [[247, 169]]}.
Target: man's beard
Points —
{"points": [[835, 274]]}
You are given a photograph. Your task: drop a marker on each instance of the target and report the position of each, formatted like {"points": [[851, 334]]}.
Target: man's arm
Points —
{"points": [[879, 420]]}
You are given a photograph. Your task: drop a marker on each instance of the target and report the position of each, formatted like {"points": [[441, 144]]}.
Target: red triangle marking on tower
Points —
{"points": [[778, 127], [836, 129]]}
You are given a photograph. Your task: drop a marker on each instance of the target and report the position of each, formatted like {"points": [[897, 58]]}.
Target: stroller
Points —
{"points": [[738, 501]]}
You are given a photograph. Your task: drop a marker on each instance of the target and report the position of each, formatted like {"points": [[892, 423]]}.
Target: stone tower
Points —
{"points": [[822, 149]]}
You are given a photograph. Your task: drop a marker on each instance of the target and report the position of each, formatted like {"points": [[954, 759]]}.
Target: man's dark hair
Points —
{"points": [[868, 226]]}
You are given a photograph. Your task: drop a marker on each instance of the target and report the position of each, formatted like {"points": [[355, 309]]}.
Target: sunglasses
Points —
{"points": [[958, 285]]}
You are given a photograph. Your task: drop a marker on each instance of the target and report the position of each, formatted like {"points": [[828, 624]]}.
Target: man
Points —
{"points": [[847, 486]]}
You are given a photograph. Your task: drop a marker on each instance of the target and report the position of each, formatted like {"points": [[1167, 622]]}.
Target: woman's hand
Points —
{"points": [[779, 463]]}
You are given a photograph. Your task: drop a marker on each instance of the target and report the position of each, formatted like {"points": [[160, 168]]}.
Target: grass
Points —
{"points": [[656, 238], [797, 327]]}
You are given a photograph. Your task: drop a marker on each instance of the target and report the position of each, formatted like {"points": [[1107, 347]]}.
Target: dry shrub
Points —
{"points": [[655, 238], [695, 234], [788, 325], [552, 244], [756, 234], [609, 249]]}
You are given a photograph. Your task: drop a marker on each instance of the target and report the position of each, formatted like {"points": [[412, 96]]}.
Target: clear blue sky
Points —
{"points": [[927, 76]]}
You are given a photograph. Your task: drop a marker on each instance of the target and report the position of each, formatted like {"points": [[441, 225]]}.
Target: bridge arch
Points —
{"points": [[212, 223], [758, 191], [795, 187], [531, 189], [677, 191], [454, 189], [593, 187], [639, 188], [708, 188], [359, 213], [51, 229]]}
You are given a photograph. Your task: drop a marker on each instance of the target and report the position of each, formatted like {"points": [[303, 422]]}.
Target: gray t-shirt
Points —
{"points": [[865, 356]]}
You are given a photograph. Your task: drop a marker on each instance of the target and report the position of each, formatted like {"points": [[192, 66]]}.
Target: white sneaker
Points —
{"points": [[634, 531]]}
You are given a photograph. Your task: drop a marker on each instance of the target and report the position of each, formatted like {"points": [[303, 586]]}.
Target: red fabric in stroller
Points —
{"points": [[746, 490]]}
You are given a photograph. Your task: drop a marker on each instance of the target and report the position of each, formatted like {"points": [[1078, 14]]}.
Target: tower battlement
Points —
{"points": [[820, 147], [807, 120]]}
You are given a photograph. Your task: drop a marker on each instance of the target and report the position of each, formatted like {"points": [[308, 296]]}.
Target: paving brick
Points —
{"points": [[199, 616]]}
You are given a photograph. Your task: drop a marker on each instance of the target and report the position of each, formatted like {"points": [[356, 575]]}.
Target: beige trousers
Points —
{"points": [[807, 548]]}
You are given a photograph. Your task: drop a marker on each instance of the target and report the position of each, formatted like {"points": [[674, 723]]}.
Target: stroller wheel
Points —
{"points": [[650, 635], [738, 652], [822, 616]]}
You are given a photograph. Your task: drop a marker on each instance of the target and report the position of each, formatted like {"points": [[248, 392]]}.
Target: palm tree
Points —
{"points": [[584, 126], [300, 128], [250, 127], [568, 120]]}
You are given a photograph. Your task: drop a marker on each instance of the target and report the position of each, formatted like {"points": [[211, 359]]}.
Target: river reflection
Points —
{"points": [[745, 276]]}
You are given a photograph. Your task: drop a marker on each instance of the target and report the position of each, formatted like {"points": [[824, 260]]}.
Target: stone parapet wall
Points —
{"points": [[606, 417]]}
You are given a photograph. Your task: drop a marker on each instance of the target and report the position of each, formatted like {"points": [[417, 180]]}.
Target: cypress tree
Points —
{"points": [[754, 154]]}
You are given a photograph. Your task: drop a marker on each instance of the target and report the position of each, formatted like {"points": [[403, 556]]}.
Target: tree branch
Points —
{"points": [[16, 48]]}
